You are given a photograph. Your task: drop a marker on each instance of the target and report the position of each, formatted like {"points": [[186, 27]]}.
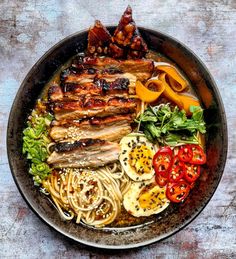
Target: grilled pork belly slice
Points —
{"points": [[101, 86], [111, 133], [98, 39], [141, 68], [104, 87], [55, 93], [83, 79], [94, 107], [96, 121], [84, 153], [84, 72]]}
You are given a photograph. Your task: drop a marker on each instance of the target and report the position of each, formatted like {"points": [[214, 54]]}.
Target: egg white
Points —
{"points": [[124, 156], [131, 200]]}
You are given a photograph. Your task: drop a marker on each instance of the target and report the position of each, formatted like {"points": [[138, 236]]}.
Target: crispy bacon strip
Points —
{"points": [[127, 41], [99, 39]]}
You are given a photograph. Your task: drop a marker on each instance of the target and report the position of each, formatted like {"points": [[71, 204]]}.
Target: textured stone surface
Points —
{"points": [[29, 28]]}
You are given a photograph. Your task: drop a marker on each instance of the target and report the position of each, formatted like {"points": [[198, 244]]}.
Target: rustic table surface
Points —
{"points": [[29, 28]]}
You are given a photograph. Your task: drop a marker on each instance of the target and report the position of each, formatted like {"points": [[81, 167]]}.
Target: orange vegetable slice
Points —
{"points": [[146, 93], [182, 101], [188, 101], [169, 93], [177, 81]]}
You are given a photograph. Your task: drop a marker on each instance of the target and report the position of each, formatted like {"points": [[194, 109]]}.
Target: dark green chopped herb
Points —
{"points": [[171, 126]]}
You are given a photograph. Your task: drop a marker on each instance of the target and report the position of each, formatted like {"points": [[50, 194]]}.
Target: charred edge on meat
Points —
{"points": [[120, 84], [99, 39], [55, 93], [127, 41], [95, 121], [80, 144]]}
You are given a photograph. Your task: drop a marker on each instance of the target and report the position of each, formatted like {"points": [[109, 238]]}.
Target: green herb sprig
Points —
{"points": [[171, 127]]}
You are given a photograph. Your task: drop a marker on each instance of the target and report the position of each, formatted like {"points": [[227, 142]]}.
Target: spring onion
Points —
{"points": [[35, 141]]}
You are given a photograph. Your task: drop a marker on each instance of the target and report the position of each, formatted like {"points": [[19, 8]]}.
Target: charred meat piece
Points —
{"points": [[119, 85], [73, 90], [106, 86], [73, 82], [55, 93], [111, 128], [99, 39], [116, 51], [95, 121], [141, 68], [127, 41], [110, 133], [94, 107], [84, 153]]}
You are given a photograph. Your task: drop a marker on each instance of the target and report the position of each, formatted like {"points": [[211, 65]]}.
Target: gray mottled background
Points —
{"points": [[29, 28]]}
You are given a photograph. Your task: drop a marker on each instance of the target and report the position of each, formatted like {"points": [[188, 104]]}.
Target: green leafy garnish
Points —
{"points": [[35, 141], [171, 126]]}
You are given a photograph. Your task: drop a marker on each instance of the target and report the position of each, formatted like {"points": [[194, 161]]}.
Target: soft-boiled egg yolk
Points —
{"points": [[136, 157], [145, 198], [140, 157], [151, 197]]}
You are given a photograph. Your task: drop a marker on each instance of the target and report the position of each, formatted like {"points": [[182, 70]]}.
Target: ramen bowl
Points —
{"points": [[173, 220]]}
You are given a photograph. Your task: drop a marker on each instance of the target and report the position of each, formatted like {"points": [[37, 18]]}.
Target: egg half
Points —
{"points": [[136, 157], [145, 198]]}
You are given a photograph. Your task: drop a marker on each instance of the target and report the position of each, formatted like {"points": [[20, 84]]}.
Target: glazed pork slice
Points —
{"points": [[91, 107], [55, 93], [121, 85], [110, 133], [85, 73], [141, 68], [127, 41], [83, 79], [99, 39], [111, 128], [76, 86], [96, 121], [84, 153]]}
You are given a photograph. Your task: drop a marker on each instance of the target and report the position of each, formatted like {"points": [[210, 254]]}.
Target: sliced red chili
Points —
{"points": [[162, 161], [199, 157], [176, 173], [192, 172], [185, 153], [160, 180], [177, 192], [177, 162]]}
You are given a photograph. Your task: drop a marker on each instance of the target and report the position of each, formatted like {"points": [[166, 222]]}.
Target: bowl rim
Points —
{"points": [[153, 240]]}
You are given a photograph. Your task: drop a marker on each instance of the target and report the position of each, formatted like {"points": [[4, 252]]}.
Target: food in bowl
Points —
{"points": [[117, 135]]}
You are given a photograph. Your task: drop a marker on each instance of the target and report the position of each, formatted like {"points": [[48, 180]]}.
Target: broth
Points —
{"points": [[124, 219]]}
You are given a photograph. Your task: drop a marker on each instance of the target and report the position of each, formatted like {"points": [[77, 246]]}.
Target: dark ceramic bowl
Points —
{"points": [[177, 217]]}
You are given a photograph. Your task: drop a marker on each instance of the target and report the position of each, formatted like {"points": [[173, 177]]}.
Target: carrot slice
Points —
{"points": [[182, 101], [145, 94], [177, 82]]}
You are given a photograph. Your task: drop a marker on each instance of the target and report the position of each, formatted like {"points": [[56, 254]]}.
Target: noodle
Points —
{"points": [[91, 196]]}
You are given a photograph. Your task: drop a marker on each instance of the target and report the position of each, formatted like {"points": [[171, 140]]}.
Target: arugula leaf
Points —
{"points": [[165, 125]]}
